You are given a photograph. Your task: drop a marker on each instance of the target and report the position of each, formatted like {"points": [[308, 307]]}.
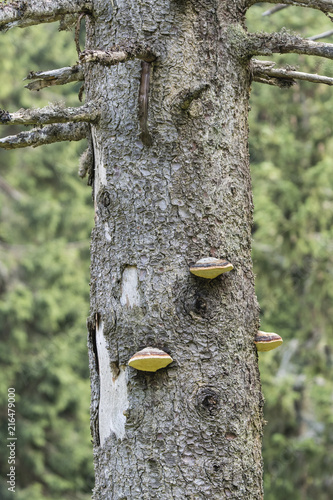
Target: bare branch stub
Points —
{"points": [[259, 73], [87, 162], [184, 98], [22, 13], [46, 135], [143, 103], [51, 114], [108, 58], [118, 54], [264, 73], [60, 76]]}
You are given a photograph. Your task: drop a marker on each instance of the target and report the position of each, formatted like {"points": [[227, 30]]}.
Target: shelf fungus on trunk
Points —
{"points": [[150, 359], [266, 341], [210, 268]]}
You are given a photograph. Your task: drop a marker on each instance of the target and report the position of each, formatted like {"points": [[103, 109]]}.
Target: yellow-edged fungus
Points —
{"points": [[210, 268], [266, 341], [150, 359]]}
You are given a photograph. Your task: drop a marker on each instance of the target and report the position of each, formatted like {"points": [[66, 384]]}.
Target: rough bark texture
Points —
{"points": [[50, 114], [192, 430]]}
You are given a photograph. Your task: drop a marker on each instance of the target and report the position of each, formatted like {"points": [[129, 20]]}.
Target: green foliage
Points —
{"points": [[46, 217], [291, 156]]}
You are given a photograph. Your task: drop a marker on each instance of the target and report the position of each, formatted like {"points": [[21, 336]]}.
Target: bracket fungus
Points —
{"points": [[210, 268], [267, 341], [150, 359]]}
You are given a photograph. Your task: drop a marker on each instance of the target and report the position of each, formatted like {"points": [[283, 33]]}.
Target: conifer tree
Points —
{"points": [[171, 185], [291, 148]]}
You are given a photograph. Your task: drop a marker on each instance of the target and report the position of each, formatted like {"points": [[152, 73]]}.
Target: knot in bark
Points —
{"points": [[208, 401]]}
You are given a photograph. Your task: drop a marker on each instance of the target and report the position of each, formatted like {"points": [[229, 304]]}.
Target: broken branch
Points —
{"points": [[59, 76], [24, 13], [275, 82], [46, 135], [262, 71], [322, 35], [50, 114], [9, 190], [117, 54]]}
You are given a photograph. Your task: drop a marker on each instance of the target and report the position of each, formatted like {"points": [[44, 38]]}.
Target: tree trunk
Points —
{"points": [[193, 429]]}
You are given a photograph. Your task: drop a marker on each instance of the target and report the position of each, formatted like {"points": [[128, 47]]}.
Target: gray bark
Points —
{"points": [[169, 163], [193, 429], [46, 135], [264, 69], [323, 5]]}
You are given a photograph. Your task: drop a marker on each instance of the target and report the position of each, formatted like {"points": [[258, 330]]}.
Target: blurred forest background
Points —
{"points": [[45, 224]]}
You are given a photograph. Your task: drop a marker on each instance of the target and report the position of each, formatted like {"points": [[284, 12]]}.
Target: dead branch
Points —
{"points": [[118, 54], [274, 9], [264, 44], [46, 135], [109, 58], [259, 74], [143, 103], [59, 76], [325, 6], [50, 114], [322, 35], [22, 13], [263, 71]]}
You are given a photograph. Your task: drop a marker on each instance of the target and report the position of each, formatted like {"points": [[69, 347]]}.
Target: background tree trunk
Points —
{"points": [[192, 430]]}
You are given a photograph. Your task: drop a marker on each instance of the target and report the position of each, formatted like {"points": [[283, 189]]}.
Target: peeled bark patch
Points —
{"points": [[130, 296]]}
